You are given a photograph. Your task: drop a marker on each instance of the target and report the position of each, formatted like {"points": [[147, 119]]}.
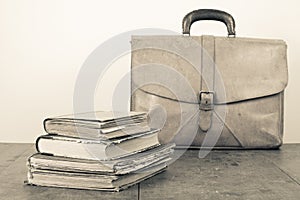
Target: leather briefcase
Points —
{"points": [[220, 92]]}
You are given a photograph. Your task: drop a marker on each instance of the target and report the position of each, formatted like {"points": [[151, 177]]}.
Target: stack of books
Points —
{"points": [[99, 151]]}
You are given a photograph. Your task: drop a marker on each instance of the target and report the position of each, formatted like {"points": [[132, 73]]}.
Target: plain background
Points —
{"points": [[43, 45]]}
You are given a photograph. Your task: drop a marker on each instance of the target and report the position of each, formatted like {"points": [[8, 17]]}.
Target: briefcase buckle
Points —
{"points": [[206, 100]]}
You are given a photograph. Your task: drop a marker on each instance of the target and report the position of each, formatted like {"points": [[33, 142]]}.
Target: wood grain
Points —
{"points": [[221, 175], [227, 175]]}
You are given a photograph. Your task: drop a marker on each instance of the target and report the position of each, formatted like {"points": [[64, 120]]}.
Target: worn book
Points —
{"points": [[98, 125], [96, 149], [92, 181], [95, 133], [117, 166], [97, 119]]}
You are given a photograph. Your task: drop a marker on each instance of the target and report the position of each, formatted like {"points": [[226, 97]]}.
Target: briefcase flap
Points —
{"points": [[247, 68]]}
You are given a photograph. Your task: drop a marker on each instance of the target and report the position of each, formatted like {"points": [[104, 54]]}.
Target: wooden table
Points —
{"points": [[273, 174]]}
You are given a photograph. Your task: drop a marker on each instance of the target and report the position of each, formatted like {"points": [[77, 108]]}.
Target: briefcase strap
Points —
{"points": [[207, 87], [206, 95]]}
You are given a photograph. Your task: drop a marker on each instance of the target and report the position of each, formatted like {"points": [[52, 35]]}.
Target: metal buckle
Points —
{"points": [[206, 100]]}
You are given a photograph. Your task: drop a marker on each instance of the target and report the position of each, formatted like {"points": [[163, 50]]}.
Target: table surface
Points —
{"points": [[230, 174]]}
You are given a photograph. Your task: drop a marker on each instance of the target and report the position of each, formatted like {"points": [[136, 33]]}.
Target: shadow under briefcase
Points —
{"points": [[220, 92]]}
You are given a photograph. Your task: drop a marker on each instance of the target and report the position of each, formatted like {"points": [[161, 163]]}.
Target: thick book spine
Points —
{"points": [[37, 144], [44, 124]]}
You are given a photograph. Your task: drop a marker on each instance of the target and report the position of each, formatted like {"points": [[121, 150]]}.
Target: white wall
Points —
{"points": [[44, 43]]}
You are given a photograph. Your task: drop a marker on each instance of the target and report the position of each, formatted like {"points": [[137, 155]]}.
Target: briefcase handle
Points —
{"points": [[208, 14]]}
